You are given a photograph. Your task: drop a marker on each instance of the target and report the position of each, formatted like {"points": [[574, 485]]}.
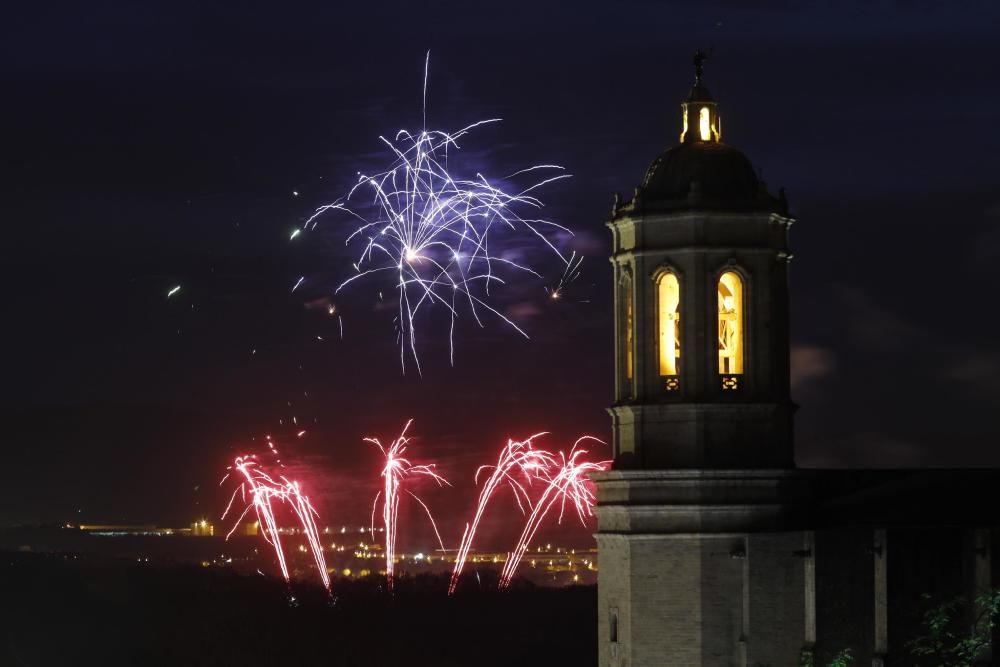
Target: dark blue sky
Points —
{"points": [[153, 144]]}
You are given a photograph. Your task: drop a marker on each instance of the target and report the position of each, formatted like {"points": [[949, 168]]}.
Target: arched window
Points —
{"points": [[629, 329], [668, 303], [731, 326], [704, 124]]}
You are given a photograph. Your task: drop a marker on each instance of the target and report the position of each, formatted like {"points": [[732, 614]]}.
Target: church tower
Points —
{"points": [[701, 308], [697, 543]]}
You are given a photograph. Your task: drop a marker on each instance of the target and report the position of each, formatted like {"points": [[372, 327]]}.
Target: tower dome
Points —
{"points": [[701, 172], [710, 169]]}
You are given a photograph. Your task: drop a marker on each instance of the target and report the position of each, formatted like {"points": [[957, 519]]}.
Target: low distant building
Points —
{"points": [[202, 529], [115, 529]]}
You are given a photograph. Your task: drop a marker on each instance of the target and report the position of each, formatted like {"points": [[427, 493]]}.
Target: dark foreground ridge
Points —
{"points": [[63, 610]]}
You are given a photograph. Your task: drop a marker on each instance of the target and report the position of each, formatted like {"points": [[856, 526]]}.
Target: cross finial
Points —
{"points": [[699, 65]]}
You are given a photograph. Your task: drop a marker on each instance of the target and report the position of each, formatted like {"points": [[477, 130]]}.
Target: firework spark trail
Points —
{"points": [[263, 491], [433, 231], [570, 483], [307, 517], [517, 456], [397, 468], [571, 273]]}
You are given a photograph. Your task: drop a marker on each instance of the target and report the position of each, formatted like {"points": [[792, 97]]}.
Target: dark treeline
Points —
{"points": [[59, 610]]}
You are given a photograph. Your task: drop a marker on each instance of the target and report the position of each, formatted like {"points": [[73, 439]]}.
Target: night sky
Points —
{"points": [[148, 145]]}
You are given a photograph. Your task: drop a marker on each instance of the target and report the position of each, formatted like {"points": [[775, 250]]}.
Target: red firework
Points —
{"points": [[569, 484], [396, 469], [516, 457], [259, 491]]}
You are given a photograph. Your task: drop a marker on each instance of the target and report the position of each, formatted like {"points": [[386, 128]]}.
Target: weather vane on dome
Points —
{"points": [[699, 65]]}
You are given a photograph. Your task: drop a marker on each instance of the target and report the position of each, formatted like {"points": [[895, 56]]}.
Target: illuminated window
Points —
{"points": [[668, 297], [629, 329], [684, 115], [704, 124], [731, 339]]}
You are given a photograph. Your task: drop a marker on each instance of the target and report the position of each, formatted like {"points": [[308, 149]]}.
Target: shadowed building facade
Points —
{"points": [[714, 549]]}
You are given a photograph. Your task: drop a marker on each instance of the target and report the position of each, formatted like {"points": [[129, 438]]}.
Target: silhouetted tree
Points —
{"points": [[957, 634]]}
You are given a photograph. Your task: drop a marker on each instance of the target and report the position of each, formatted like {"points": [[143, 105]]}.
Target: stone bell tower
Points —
{"points": [[701, 272], [702, 416]]}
